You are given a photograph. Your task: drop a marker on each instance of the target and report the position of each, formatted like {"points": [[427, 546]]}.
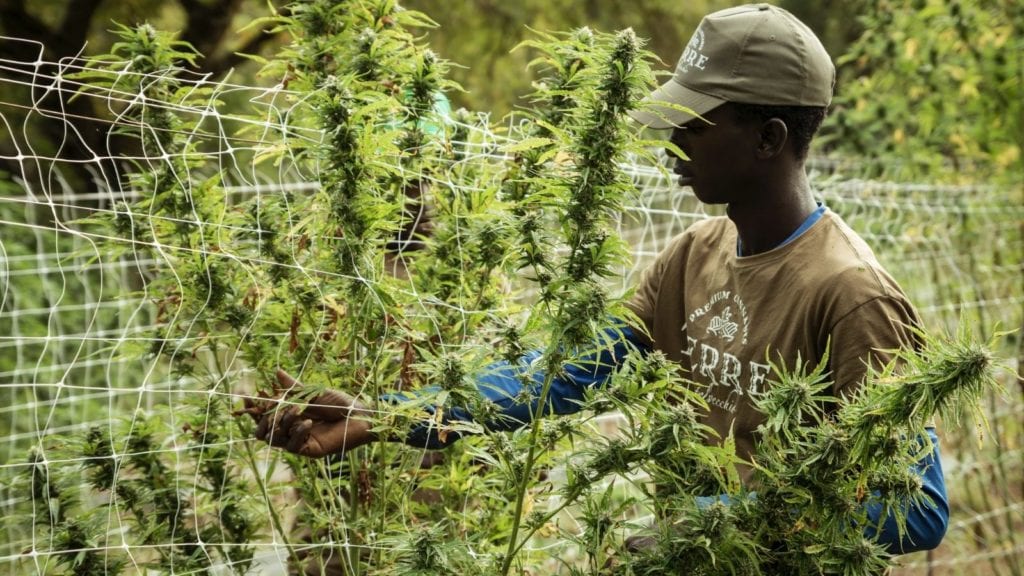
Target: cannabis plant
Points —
{"points": [[131, 471], [821, 466]]}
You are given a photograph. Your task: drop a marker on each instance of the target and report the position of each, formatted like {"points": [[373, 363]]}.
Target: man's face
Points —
{"points": [[720, 151]]}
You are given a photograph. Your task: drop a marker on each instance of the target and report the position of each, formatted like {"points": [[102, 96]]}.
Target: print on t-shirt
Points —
{"points": [[717, 334]]}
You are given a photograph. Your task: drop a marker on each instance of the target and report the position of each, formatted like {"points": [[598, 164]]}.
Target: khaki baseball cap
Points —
{"points": [[751, 54]]}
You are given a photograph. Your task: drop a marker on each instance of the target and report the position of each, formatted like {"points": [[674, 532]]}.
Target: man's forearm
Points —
{"points": [[925, 523], [516, 388]]}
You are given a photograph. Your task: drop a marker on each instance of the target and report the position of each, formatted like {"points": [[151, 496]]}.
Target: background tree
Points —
{"points": [[56, 31], [482, 33], [934, 87]]}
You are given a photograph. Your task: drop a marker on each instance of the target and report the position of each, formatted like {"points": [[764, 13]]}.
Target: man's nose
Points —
{"points": [[673, 155], [667, 158], [679, 140]]}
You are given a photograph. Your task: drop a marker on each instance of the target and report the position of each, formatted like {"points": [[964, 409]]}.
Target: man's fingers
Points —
{"points": [[313, 429], [285, 380], [332, 406], [288, 417], [638, 544], [273, 427], [298, 434], [277, 436], [263, 426], [254, 409]]}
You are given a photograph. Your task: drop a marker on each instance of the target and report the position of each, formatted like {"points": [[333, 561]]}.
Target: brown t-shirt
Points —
{"points": [[722, 317]]}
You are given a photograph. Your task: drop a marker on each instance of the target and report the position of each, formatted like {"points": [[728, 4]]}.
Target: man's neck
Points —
{"points": [[765, 222]]}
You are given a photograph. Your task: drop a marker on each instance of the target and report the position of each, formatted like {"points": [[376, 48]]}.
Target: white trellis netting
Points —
{"points": [[66, 316]]}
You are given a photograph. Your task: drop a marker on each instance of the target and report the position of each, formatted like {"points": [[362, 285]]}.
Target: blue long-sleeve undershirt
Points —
{"points": [[926, 523], [503, 384]]}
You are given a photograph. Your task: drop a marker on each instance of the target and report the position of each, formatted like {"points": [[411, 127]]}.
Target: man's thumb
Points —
{"points": [[331, 405]]}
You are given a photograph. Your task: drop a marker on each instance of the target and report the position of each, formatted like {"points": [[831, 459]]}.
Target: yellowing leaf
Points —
{"points": [[332, 304], [968, 90], [442, 431], [910, 48], [527, 504], [548, 530], [959, 142], [275, 153], [1008, 157], [563, 158]]}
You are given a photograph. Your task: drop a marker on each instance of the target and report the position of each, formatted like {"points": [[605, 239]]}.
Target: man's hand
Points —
{"points": [[331, 423]]}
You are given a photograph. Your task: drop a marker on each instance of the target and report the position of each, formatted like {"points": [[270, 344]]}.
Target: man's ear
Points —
{"points": [[772, 138]]}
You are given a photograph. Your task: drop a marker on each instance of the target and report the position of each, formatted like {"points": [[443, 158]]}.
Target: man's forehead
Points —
{"points": [[710, 118]]}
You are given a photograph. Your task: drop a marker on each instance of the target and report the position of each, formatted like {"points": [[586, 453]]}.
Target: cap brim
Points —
{"points": [[673, 104]]}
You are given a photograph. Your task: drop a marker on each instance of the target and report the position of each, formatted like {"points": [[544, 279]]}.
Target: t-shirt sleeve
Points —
{"points": [[867, 336], [645, 297]]}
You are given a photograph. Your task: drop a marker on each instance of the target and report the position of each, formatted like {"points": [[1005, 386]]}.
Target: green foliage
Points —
{"points": [[819, 465], [935, 87], [481, 35]]}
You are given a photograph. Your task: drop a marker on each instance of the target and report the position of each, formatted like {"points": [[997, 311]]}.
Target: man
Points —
{"points": [[781, 278]]}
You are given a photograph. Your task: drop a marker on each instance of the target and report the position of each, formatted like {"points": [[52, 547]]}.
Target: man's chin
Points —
{"points": [[704, 198]]}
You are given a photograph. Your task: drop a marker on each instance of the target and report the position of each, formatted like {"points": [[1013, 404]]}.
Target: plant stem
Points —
{"points": [[275, 518], [524, 480]]}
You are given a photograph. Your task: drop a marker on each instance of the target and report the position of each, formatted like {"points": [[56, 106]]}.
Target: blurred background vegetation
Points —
{"points": [[930, 86], [477, 34]]}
